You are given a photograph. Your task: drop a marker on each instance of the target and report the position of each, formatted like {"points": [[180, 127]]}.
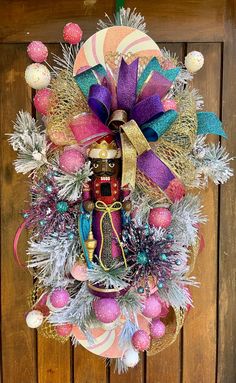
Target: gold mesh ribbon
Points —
{"points": [[175, 319]]}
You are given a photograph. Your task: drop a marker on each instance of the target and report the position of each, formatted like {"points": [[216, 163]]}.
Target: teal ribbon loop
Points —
{"points": [[154, 129], [89, 77], [209, 123]]}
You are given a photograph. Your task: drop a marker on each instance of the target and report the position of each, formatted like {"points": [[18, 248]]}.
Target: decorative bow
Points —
{"points": [[132, 106]]}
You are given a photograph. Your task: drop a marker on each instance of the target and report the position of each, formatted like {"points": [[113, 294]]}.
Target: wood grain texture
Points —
{"points": [[45, 20], [136, 374], [88, 367], [227, 228], [199, 359], [18, 341], [195, 20], [158, 370]]}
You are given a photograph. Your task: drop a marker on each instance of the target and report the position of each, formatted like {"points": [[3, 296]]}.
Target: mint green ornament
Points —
{"points": [[62, 207], [142, 258]]}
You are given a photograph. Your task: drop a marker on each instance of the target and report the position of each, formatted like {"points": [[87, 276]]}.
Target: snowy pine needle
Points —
{"points": [[71, 185], [29, 140], [117, 277], [124, 17], [69, 53]]}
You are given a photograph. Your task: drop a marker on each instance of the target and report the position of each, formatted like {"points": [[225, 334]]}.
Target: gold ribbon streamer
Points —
{"points": [[108, 209], [133, 143]]}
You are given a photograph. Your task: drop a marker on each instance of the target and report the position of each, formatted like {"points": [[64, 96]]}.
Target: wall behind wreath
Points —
{"points": [[206, 350]]}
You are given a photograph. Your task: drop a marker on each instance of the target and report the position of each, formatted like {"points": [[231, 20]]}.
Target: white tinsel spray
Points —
{"points": [[66, 62], [211, 161]]}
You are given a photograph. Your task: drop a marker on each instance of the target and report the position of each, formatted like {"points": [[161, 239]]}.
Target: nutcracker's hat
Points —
{"points": [[105, 148]]}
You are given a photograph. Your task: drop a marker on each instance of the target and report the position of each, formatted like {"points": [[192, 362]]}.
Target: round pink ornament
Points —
{"points": [[37, 51], [71, 161], [160, 217], [72, 33], [64, 329], [79, 272], [41, 101], [59, 298], [175, 190], [141, 340], [152, 307], [169, 104], [157, 329], [106, 310]]}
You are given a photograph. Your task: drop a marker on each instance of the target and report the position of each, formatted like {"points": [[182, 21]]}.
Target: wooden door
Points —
{"points": [[205, 352]]}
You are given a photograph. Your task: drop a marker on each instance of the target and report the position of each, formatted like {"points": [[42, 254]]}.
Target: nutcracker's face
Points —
{"points": [[106, 167]]}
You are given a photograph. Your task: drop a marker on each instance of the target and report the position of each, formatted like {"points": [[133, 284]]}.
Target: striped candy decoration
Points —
{"points": [[119, 39]]}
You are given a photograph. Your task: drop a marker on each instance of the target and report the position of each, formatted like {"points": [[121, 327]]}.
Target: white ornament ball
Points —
{"points": [[131, 357], [37, 76], [34, 319], [194, 61]]}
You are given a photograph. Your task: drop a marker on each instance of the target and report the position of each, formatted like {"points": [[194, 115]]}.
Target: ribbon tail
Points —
{"points": [[209, 123], [89, 77], [15, 244], [129, 159]]}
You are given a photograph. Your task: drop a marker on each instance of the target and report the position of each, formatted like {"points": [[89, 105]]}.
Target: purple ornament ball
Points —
{"points": [[71, 161], [59, 298], [106, 310], [160, 217], [157, 329], [37, 51], [141, 340], [152, 307]]}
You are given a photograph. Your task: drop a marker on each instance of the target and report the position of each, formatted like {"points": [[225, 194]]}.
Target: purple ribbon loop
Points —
{"points": [[147, 109], [99, 101], [126, 85]]}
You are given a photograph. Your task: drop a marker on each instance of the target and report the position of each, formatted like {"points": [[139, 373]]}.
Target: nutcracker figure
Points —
{"points": [[103, 199]]}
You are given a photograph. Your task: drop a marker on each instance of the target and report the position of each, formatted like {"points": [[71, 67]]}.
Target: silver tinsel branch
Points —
{"points": [[52, 259], [186, 215], [175, 294], [120, 366], [117, 277], [71, 185], [211, 161], [124, 17], [29, 140], [69, 53]]}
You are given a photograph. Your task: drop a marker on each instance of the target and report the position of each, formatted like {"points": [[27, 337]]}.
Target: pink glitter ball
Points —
{"points": [[160, 217], [41, 100], [79, 272], [64, 329], [72, 33], [71, 161], [59, 298], [175, 190], [169, 105], [141, 340], [152, 307], [157, 329], [106, 310], [37, 51]]}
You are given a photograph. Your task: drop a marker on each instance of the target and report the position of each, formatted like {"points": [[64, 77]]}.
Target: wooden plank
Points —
{"points": [[196, 20], [54, 358], [88, 368], [45, 21], [227, 245], [18, 341], [158, 366], [199, 354], [136, 374], [53, 361]]}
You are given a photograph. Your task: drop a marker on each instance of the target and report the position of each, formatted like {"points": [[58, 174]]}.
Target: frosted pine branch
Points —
{"points": [[124, 17]]}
